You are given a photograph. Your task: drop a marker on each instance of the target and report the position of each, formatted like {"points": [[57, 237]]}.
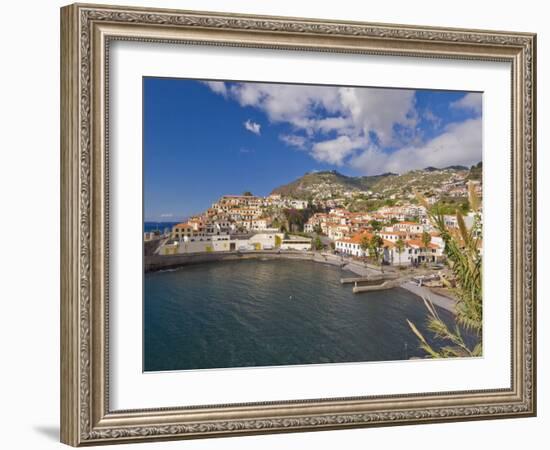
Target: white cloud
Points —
{"points": [[286, 103], [253, 127], [357, 126], [432, 118], [335, 151], [339, 124], [166, 215], [294, 140], [471, 101], [218, 87], [459, 144], [346, 111], [379, 110]]}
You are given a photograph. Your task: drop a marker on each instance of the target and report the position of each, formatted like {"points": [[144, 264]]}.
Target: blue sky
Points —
{"points": [[205, 139]]}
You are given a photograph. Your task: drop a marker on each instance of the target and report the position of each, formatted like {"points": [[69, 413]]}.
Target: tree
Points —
{"points": [[376, 225], [247, 193], [317, 243], [462, 249], [426, 239], [295, 219], [365, 244], [399, 246], [376, 244]]}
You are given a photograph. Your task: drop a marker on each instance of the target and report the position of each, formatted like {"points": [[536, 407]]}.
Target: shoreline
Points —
{"points": [[446, 303], [155, 263]]}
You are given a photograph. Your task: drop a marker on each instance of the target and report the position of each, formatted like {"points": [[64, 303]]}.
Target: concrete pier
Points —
{"points": [[368, 280], [373, 287], [354, 280]]}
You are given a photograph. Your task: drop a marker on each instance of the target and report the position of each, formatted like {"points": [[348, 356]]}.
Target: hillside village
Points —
{"points": [[376, 217]]}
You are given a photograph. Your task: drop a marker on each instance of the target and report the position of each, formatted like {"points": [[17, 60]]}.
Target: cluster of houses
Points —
{"points": [[457, 186], [401, 241], [397, 247], [235, 222], [454, 186], [245, 223], [339, 222]]}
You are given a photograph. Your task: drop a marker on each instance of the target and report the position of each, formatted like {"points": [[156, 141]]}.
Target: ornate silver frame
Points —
{"points": [[86, 31]]}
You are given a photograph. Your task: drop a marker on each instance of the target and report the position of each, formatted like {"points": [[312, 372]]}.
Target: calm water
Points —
{"points": [[160, 226], [264, 313]]}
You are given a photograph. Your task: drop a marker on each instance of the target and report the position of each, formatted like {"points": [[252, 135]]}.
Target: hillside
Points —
{"points": [[332, 184], [329, 183], [419, 180], [476, 172]]}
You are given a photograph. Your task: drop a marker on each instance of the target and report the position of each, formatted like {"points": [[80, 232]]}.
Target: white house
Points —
{"points": [[298, 204], [409, 227], [352, 245]]}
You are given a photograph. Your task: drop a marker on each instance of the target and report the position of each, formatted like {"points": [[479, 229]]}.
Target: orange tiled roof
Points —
{"points": [[182, 225], [420, 244], [357, 238]]}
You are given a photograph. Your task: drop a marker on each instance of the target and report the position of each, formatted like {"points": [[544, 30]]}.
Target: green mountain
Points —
{"points": [[327, 184], [424, 180], [332, 184]]}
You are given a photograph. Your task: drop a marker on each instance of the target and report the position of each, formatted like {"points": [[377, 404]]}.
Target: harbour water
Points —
{"points": [[271, 313]]}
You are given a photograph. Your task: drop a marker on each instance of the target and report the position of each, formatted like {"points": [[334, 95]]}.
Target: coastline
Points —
{"points": [[437, 299], [153, 263]]}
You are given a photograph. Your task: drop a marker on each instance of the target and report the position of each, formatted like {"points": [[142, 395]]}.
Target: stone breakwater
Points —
{"points": [[161, 262]]}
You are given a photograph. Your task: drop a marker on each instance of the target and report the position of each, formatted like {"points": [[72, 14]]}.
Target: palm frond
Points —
{"points": [[464, 260]]}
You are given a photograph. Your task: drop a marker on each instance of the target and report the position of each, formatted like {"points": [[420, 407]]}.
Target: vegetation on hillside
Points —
{"points": [[416, 181], [476, 172], [332, 184], [450, 205], [332, 181]]}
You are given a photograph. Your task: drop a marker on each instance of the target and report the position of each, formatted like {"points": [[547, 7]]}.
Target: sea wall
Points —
{"points": [[160, 262]]}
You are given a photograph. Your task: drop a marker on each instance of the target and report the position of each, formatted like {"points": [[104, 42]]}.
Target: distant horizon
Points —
{"points": [[205, 139]]}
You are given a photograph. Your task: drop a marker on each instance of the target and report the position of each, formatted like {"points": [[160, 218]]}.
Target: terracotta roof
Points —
{"points": [[357, 238], [418, 243], [181, 225]]}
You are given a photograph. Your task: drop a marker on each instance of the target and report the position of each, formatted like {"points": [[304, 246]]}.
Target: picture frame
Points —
{"points": [[87, 31]]}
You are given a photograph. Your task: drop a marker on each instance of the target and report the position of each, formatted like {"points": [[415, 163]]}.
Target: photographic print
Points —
{"points": [[289, 224], [278, 224]]}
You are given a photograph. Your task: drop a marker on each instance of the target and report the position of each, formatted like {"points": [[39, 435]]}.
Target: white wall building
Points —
{"points": [[296, 244], [352, 245]]}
